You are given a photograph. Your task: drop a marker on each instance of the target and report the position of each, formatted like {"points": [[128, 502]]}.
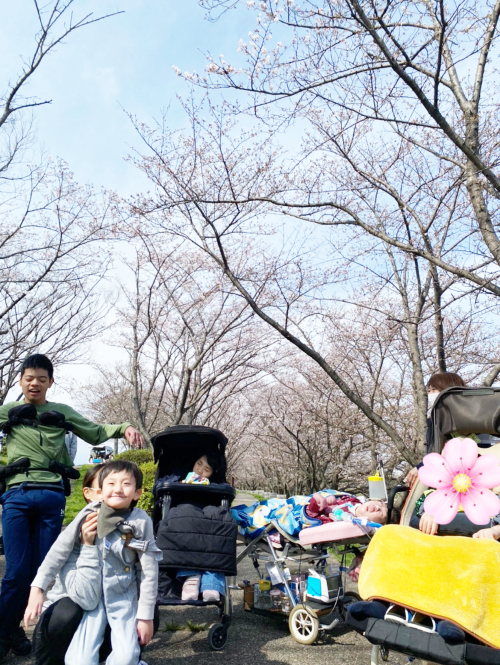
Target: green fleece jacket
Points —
{"points": [[43, 444]]}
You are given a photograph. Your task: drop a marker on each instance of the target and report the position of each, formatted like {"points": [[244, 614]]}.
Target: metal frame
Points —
{"points": [[310, 556]]}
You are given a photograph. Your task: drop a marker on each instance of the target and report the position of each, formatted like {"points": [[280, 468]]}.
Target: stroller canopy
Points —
{"points": [[177, 448]]}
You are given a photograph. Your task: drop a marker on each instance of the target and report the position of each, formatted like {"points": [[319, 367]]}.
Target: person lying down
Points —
{"points": [[299, 512]]}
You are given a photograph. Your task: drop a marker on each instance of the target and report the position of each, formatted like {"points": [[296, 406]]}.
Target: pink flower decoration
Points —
{"points": [[461, 478]]}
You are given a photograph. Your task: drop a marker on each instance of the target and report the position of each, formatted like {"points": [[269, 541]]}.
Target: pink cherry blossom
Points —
{"points": [[461, 478]]}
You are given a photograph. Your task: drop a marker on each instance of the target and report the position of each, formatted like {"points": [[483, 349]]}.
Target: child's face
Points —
{"points": [[375, 511], [203, 468], [34, 384], [92, 493], [119, 490]]}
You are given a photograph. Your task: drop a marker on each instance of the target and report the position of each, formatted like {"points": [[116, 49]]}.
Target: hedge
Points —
{"points": [[141, 456], [144, 460], [148, 480]]}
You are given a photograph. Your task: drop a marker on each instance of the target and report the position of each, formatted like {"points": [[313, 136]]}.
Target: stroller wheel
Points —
{"points": [[303, 624], [217, 637]]}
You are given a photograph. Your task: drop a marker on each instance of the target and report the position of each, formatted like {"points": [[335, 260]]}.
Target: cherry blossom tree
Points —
{"points": [[192, 346]]}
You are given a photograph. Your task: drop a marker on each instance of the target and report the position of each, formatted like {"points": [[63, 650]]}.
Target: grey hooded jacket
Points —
{"points": [[143, 542]]}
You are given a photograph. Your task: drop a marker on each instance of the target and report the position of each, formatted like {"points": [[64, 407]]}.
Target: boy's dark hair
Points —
{"points": [[116, 466], [37, 361], [91, 474], [218, 463], [443, 380]]}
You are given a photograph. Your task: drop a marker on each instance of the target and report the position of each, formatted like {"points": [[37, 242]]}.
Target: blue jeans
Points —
{"points": [[31, 522]]}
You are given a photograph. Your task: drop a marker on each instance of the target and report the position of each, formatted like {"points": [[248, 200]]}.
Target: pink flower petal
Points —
{"points": [[460, 454], [434, 500], [486, 471], [443, 505], [480, 504], [434, 471]]}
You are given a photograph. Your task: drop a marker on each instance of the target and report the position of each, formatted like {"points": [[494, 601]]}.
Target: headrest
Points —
{"points": [[24, 414], [55, 419], [23, 411]]}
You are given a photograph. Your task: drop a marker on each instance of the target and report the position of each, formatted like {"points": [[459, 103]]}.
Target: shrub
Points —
{"points": [[141, 456], [148, 471], [76, 502]]}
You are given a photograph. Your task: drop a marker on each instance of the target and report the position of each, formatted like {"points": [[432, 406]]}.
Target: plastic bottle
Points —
{"points": [[276, 600], [256, 596]]}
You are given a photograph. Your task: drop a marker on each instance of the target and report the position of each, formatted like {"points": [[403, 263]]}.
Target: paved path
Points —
{"points": [[244, 497]]}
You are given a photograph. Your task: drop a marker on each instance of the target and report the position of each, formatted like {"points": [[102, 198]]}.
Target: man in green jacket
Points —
{"points": [[33, 505]]}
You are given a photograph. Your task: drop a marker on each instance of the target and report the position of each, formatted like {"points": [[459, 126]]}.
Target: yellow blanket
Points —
{"points": [[449, 577]]}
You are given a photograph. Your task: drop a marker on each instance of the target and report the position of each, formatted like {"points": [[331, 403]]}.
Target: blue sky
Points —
{"points": [[125, 61]]}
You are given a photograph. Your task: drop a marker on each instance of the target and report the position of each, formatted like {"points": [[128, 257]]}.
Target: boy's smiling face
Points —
{"points": [[34, 384], [119, 490]]}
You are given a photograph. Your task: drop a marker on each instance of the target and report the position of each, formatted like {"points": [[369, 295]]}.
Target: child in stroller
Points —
{"points": [[211, 585]]}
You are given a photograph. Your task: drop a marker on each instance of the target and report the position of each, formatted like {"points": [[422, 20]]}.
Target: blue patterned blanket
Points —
{"points": [[290, 514]]}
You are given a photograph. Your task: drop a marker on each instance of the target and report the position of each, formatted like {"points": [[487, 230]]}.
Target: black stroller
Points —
{"points": [[193, 523], [457, 411]]}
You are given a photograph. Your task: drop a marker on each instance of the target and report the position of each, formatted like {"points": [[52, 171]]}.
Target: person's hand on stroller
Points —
{"points": [[145, 631], [428, 525], [134, 438], [411, 476], [493, 533]]}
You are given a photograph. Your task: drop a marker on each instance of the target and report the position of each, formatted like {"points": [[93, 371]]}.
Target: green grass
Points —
{"points": [[76, 502], [348, 557], [189, 625], [196, 627], [173, 627], [257, 497]]}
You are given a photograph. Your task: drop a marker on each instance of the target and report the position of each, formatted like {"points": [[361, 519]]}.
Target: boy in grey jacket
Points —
{"points": [[125, 542]]}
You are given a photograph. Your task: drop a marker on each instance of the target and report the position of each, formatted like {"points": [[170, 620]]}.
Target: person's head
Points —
{"points": [[203, 468], [120, 482], [374, 510], [37, 376], [90, 489], [443, 380], [210, 465]]}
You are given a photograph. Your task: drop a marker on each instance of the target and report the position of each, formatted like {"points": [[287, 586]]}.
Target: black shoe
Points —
{"points": [[19, 643]]}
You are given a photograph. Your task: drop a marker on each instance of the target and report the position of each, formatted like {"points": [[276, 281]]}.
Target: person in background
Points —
{"points": [[34, 501], [71, 442], [436, 384]]}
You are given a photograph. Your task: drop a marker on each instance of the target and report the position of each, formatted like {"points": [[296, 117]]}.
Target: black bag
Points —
{"points": [[199, 538]]}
